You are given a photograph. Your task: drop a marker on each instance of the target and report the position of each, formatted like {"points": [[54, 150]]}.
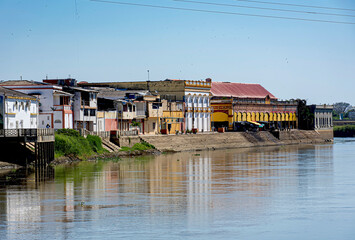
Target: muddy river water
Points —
{"points": [[287, 192]]}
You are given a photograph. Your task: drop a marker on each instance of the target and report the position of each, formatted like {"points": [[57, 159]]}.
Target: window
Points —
{"points": [[86, 112], [156, 105], [153, 126], [92, 112]]}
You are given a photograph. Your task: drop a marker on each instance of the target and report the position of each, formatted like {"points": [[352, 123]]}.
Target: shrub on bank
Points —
{"points": [[68, 132], [95, 143], [344, 131], [138, 147], [68, 142]]}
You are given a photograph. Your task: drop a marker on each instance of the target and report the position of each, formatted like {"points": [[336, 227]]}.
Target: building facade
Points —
{"points": [[84, 108], [235, 104], [195, 96], [55, 105], [17, 110], [197, 103], [323, 116], [172, 120]]}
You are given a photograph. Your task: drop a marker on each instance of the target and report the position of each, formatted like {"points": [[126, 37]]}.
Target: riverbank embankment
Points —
{"points": [[205, 141], [211, 141]]}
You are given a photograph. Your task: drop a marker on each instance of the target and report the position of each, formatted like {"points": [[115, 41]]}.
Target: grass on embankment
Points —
{"points": [[138, 147], [69, 143], [344, 131]]}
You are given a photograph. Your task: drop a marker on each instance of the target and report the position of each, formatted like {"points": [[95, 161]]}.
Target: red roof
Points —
{"points": [[239, 90]]}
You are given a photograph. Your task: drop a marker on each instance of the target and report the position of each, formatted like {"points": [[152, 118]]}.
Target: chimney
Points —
{"points": [[208, 80]]}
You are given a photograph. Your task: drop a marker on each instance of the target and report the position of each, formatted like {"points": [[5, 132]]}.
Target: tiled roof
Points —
{"points": [[239, 90], [12, 93], [21, 83]]}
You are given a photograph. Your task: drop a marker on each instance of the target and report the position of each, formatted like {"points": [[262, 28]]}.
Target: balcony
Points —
{"points": [[127, 115], [62, 107], [155, 112], [140, 114]]}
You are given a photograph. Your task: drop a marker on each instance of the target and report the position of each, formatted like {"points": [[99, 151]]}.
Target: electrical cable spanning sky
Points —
{"points": [[267, 8], [232, 13], [296, 48], [297, 5]]}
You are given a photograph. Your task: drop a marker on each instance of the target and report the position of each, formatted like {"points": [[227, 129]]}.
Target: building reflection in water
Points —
{"points": [[20, 199], [184, 188]]}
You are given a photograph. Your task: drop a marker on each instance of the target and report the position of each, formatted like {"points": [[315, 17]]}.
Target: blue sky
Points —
{"points": [[94, 42]]}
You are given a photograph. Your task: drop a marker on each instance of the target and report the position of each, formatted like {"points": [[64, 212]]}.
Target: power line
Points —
{"points": [[297, 5], [265, 8], [223, 12]]}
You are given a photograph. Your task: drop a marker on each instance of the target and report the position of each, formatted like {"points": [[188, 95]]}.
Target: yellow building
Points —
{"points": [[172, 120], [235, 104]]}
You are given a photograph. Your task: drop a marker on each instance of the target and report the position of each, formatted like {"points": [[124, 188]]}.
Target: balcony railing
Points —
{"points": [[39, 135], [140, 113], [127, 115], [62, 107]]}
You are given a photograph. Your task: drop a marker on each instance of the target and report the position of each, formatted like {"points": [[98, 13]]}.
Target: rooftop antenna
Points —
{"points": [[148, 75], [46, 76]]}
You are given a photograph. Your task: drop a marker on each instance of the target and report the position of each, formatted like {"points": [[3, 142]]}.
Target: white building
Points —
{"points": [[84, 108], [195, 95], [198, 106], [17, 110], [55, 108]]}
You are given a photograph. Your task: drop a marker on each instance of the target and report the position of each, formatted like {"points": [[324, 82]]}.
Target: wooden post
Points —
{"points": [[36, 156]]}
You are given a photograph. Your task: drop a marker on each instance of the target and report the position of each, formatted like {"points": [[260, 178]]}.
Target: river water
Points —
{"points": [[288, 192]]}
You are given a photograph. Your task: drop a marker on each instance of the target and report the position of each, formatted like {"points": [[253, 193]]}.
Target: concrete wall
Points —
{"points": [[149, 124], [176, 89], [44, 119], [128, 141], [326, 134], [193, 142]]}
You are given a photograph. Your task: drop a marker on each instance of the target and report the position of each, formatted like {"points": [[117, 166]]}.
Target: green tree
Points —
{"points": [[305, 116]]}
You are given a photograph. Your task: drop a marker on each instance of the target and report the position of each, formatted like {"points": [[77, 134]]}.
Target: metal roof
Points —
{"points": [[240, 90]]}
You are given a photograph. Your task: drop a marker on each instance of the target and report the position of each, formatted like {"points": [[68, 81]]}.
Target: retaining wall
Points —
{"points": [[128, 141], [196, 142], [327, 134]]}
